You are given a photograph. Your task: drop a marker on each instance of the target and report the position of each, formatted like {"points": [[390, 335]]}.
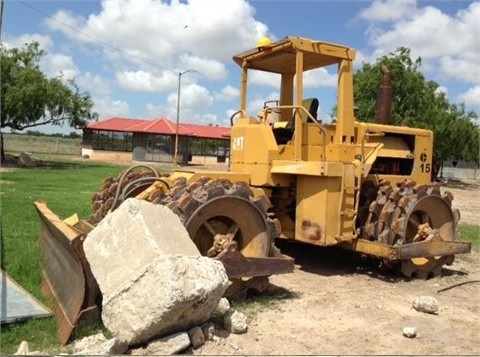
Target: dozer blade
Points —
{"points": [[67, 278]]}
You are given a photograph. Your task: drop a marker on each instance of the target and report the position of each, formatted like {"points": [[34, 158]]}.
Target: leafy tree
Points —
{"points": [[29, 98], [417, 102]]}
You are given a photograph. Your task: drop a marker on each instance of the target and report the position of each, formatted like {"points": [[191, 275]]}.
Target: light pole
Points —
{"points": [[178, 113]]}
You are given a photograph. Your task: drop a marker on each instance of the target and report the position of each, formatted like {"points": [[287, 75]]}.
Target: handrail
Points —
{"points": [[369, 133], [297, 107], [237, 112]]}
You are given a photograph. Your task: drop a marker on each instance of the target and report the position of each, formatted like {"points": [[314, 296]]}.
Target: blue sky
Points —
{"points": [[127, 54]]}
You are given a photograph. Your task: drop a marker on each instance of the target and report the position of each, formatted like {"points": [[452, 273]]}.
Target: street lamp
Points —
{"points": [[178, 113]]}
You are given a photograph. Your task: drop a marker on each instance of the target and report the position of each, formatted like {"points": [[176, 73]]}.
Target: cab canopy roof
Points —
{"points": [[280, 56]]}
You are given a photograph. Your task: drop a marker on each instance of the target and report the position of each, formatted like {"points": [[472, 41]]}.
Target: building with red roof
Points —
{"points": [[154, 140]]}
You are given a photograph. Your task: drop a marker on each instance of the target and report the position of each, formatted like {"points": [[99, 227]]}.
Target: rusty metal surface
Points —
{"points": [[432, 249], [64, 280], [238, 266], [67, 278], [419, 225]]}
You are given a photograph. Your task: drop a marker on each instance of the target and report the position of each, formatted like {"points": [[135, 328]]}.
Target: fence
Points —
{"points": [[461, 170], [42, 144]]}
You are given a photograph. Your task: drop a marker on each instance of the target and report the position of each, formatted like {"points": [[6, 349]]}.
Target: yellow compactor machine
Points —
{"points": [[361, 186]]}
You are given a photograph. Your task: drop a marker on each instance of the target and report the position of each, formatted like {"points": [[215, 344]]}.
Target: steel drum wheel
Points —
{"points": [[437, 212], [395, 217]]}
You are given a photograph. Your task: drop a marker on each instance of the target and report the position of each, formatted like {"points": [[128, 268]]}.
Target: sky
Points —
{"points": [[128, 53]]}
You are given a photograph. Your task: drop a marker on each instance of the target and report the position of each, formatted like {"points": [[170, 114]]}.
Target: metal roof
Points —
{"points": [[280, 56], [160, 125]]}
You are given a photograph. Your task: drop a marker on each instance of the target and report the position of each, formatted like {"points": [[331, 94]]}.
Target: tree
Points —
{"points": [[418, 103], [29, 98]]}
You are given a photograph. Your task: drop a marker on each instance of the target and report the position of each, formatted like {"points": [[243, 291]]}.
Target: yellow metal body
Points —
{"points": [[315, 167]]}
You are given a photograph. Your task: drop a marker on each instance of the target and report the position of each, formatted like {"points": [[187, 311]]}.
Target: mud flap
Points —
{"points": [[67, 278]]}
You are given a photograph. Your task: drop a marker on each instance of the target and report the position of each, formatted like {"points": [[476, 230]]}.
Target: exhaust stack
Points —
{"points": [[384, 99]]}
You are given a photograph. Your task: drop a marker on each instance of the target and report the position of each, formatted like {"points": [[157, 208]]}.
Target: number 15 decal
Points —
{"points": [[424, 166]]}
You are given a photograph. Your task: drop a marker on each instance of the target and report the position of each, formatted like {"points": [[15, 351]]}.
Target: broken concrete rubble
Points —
{"points": [[197, 337], [235, 322], [153, 280], [98, 345], [171, 294], [164, 346], [131, 237]]}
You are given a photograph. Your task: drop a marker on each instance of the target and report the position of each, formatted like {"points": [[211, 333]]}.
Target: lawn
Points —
{"points": [[67, 185]]}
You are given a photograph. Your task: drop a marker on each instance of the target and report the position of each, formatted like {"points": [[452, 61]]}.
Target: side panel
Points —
{"points": [[252, 147], [317, 213], [325, 207]]}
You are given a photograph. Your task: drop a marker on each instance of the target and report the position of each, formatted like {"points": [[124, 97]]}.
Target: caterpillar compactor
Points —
{"points": [[361, 186]]}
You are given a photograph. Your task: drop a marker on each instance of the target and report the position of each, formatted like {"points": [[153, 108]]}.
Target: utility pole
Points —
{"points": [[175, 155], [2, 4]]}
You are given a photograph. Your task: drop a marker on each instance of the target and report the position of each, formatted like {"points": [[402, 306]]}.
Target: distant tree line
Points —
{"points": [[71, 135]]}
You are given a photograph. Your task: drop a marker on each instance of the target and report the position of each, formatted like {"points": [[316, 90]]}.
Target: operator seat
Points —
{"points": [[311, 104], [283, 130]]}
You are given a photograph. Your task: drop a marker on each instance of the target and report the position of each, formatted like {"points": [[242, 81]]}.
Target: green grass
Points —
{"points": [[66, 184], [471, 233]]}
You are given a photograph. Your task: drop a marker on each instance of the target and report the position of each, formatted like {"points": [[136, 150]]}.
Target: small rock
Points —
{"points": [[426, 304], [223, 306], [208, 331], [26, 159], [236, 322], [167, 345], [197, 338], [99, 345], [22, 349], [410, 332]]}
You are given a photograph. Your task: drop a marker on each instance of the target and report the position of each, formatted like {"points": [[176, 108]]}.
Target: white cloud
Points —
{"points": [[227, 94], [264, 78], [388, 10], [471, 98], [107, 108], [158, 31], [94, 84], [209, 68], [463, 69], [146, 81], [44, 41], [320, 78], [194, 101], [442, 89], [59, 65], [144, 44]]}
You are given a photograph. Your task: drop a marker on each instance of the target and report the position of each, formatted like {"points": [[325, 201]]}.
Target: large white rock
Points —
{"points": [[130, 238], [171, 294], [152, 277]]}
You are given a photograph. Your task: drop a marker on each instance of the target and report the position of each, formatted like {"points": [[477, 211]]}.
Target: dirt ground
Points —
{"points": [[333, 305]]}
